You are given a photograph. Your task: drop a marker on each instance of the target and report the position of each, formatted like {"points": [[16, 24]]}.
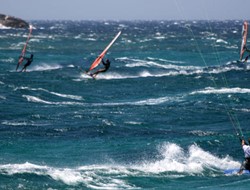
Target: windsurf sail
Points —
{"points": [[24, 49], [244, 39], [100, 57]]}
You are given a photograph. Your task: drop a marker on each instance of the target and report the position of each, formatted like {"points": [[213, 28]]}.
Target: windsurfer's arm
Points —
{"points": [[103, 62], [246, 49]]}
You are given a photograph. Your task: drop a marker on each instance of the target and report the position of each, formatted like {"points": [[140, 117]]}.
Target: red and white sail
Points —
{"points": [[244, 39], [24, 49], [100, 57]]}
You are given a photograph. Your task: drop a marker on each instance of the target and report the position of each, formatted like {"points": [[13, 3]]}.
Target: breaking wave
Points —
{"points": [[174, 162]]}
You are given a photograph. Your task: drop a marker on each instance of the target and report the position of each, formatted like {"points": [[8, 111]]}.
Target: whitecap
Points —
{"points": [[221, 41], [165, 60], [13, 123], [39, 100], [91, 176], [68, 176], [150, 101], [36, 99], [210, 90], [173, 159], [193, 161], [74, 97], [34, 40], [45, 67]]}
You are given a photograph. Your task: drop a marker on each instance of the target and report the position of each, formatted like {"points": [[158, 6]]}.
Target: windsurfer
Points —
{"points": [[246, 163], [102, 70], [247, 50], [29, 61]]}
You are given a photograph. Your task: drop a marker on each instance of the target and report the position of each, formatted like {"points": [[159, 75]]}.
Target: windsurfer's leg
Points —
{"points": [[24, 69], [246, 59], [99, 71]]}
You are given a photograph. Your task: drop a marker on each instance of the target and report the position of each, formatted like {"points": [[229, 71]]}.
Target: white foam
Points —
{"points": [[210, 90], [74, 97], [152, 63], [68, 176], [39, 100], [34, 40], [156, 101], [14, 123], [67, 96], [108, 76], [11, 169], [150, 101], [36, 99], [221, 41], [175, 160], [21, 123], [71, 66], [245, 110], [165, 60], [90, 39], [91, 177], [134, 123], [45, 67], [172, 69], [160, 37], [193, 161]]}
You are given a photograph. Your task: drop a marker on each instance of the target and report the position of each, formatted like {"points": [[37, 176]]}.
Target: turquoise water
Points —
{"points": [[158, 119]]}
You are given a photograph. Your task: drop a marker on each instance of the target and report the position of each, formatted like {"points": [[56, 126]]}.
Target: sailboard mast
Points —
{"points": [[24, 49], [244, 39], [100, 57]]}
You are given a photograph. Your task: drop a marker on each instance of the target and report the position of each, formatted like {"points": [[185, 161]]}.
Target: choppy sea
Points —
{"points": [[164, 116]]}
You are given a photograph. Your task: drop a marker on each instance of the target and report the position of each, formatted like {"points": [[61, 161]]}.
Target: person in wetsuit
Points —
{"points": [[29, 61], [247, 50], [246, 163], [102, 70]]}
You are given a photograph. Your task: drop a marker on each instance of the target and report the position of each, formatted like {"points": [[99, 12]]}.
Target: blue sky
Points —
{"points": [[127, 9]]}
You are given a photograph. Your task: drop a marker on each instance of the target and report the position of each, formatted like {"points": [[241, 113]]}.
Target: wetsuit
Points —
{"points": [[247, 50], [29, 61], [106, 67]]}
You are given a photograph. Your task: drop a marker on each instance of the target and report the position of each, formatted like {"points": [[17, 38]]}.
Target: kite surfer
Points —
{"points": [[246, 163], [29, 61], [102, 70]]}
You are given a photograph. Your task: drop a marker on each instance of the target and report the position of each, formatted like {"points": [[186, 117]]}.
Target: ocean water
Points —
{"points": [[164, 116]]}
